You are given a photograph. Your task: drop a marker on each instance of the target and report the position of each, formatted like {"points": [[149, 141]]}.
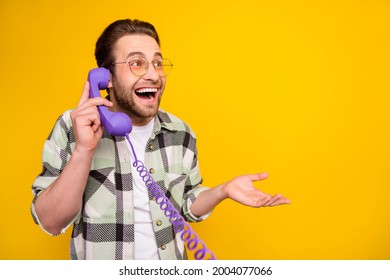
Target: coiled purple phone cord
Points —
{"points": [[189, 237]]}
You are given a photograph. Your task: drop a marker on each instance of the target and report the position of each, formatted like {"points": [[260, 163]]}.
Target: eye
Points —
{"points": [[136, 62], [158, 63]]}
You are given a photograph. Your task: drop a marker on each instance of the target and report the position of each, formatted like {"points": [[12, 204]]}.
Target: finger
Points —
{"points": [[96, 101], [99, 132], [87, 117], [262, 201], [85, 94], [273, 199], [281, 201], [96, 126], [84, 111], [259, 176], [94, 119]]}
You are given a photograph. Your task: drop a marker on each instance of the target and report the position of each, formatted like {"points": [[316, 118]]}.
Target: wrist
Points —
{"points": [[221, 192], [83, 154]]}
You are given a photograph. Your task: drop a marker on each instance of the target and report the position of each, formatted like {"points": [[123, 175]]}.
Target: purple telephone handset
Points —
{"points": [[119, 124], [116, 124]]}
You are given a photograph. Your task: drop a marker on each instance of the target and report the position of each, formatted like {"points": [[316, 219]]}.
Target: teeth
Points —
{"points": [[145, 90], [150, 96]]}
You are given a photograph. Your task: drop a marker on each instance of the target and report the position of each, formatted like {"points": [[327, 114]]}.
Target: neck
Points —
{"points": [[139, 121]]}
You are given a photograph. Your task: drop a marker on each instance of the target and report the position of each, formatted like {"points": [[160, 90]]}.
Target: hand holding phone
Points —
{"points": [[86, 122]]}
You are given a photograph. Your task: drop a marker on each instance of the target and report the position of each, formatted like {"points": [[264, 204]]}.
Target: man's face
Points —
{"points": [[137, 96]]}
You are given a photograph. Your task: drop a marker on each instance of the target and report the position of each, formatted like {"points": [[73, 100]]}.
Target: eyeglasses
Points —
{"points": [[140, 65]]}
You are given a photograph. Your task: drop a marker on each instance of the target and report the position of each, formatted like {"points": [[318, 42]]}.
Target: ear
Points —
{"points": [[109, 82], [109, 88]]}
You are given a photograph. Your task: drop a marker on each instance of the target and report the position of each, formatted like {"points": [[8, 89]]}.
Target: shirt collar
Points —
{"points": [[162, 121]]}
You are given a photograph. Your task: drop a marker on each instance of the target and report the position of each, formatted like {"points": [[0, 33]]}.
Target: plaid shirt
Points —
{"points": [[104, 228]]}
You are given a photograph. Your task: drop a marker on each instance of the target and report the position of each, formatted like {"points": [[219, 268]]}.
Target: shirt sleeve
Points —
{"points": [[195, 180], [56, 153], [189, 216]]}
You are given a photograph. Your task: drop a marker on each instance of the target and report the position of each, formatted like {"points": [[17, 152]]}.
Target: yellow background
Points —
{"points": [[299, 89]]}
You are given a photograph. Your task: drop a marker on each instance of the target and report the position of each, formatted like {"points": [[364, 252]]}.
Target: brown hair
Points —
{"points": [[104, 51]]}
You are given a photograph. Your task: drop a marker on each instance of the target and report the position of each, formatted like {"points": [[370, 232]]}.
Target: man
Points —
{"points": [[88, 179]]}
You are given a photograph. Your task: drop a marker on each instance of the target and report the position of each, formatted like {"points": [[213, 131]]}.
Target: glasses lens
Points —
{"points": [[139, 66], [163, 67]]}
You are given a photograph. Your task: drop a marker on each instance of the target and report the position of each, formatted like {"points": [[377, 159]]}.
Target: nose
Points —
{"points": [[151, 74]]}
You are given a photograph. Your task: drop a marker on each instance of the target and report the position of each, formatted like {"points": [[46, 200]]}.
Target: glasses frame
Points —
{"points": [[148, 63]]}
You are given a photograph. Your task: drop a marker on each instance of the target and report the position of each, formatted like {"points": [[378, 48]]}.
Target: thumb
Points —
{"points": [[259, 176]]}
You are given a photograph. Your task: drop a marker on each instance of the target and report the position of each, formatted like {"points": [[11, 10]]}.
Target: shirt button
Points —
{"points": [[159, 223], [151, 146], [151, 170], [163, 247]]}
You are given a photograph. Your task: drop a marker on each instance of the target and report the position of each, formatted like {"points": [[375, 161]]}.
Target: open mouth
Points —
{"points": [[146, 93]]}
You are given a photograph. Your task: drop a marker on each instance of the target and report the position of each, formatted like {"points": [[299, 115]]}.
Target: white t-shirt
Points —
{"points": [[145, 240]]}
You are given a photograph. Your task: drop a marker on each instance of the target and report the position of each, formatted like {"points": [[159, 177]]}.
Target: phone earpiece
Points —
{"points": [[98, 78], [115, 123]]}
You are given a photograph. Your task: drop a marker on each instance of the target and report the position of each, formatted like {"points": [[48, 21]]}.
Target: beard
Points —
{"points": [[126, 102]]}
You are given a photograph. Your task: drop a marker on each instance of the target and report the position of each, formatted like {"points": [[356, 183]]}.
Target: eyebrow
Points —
{"points": [[142, 54]]}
